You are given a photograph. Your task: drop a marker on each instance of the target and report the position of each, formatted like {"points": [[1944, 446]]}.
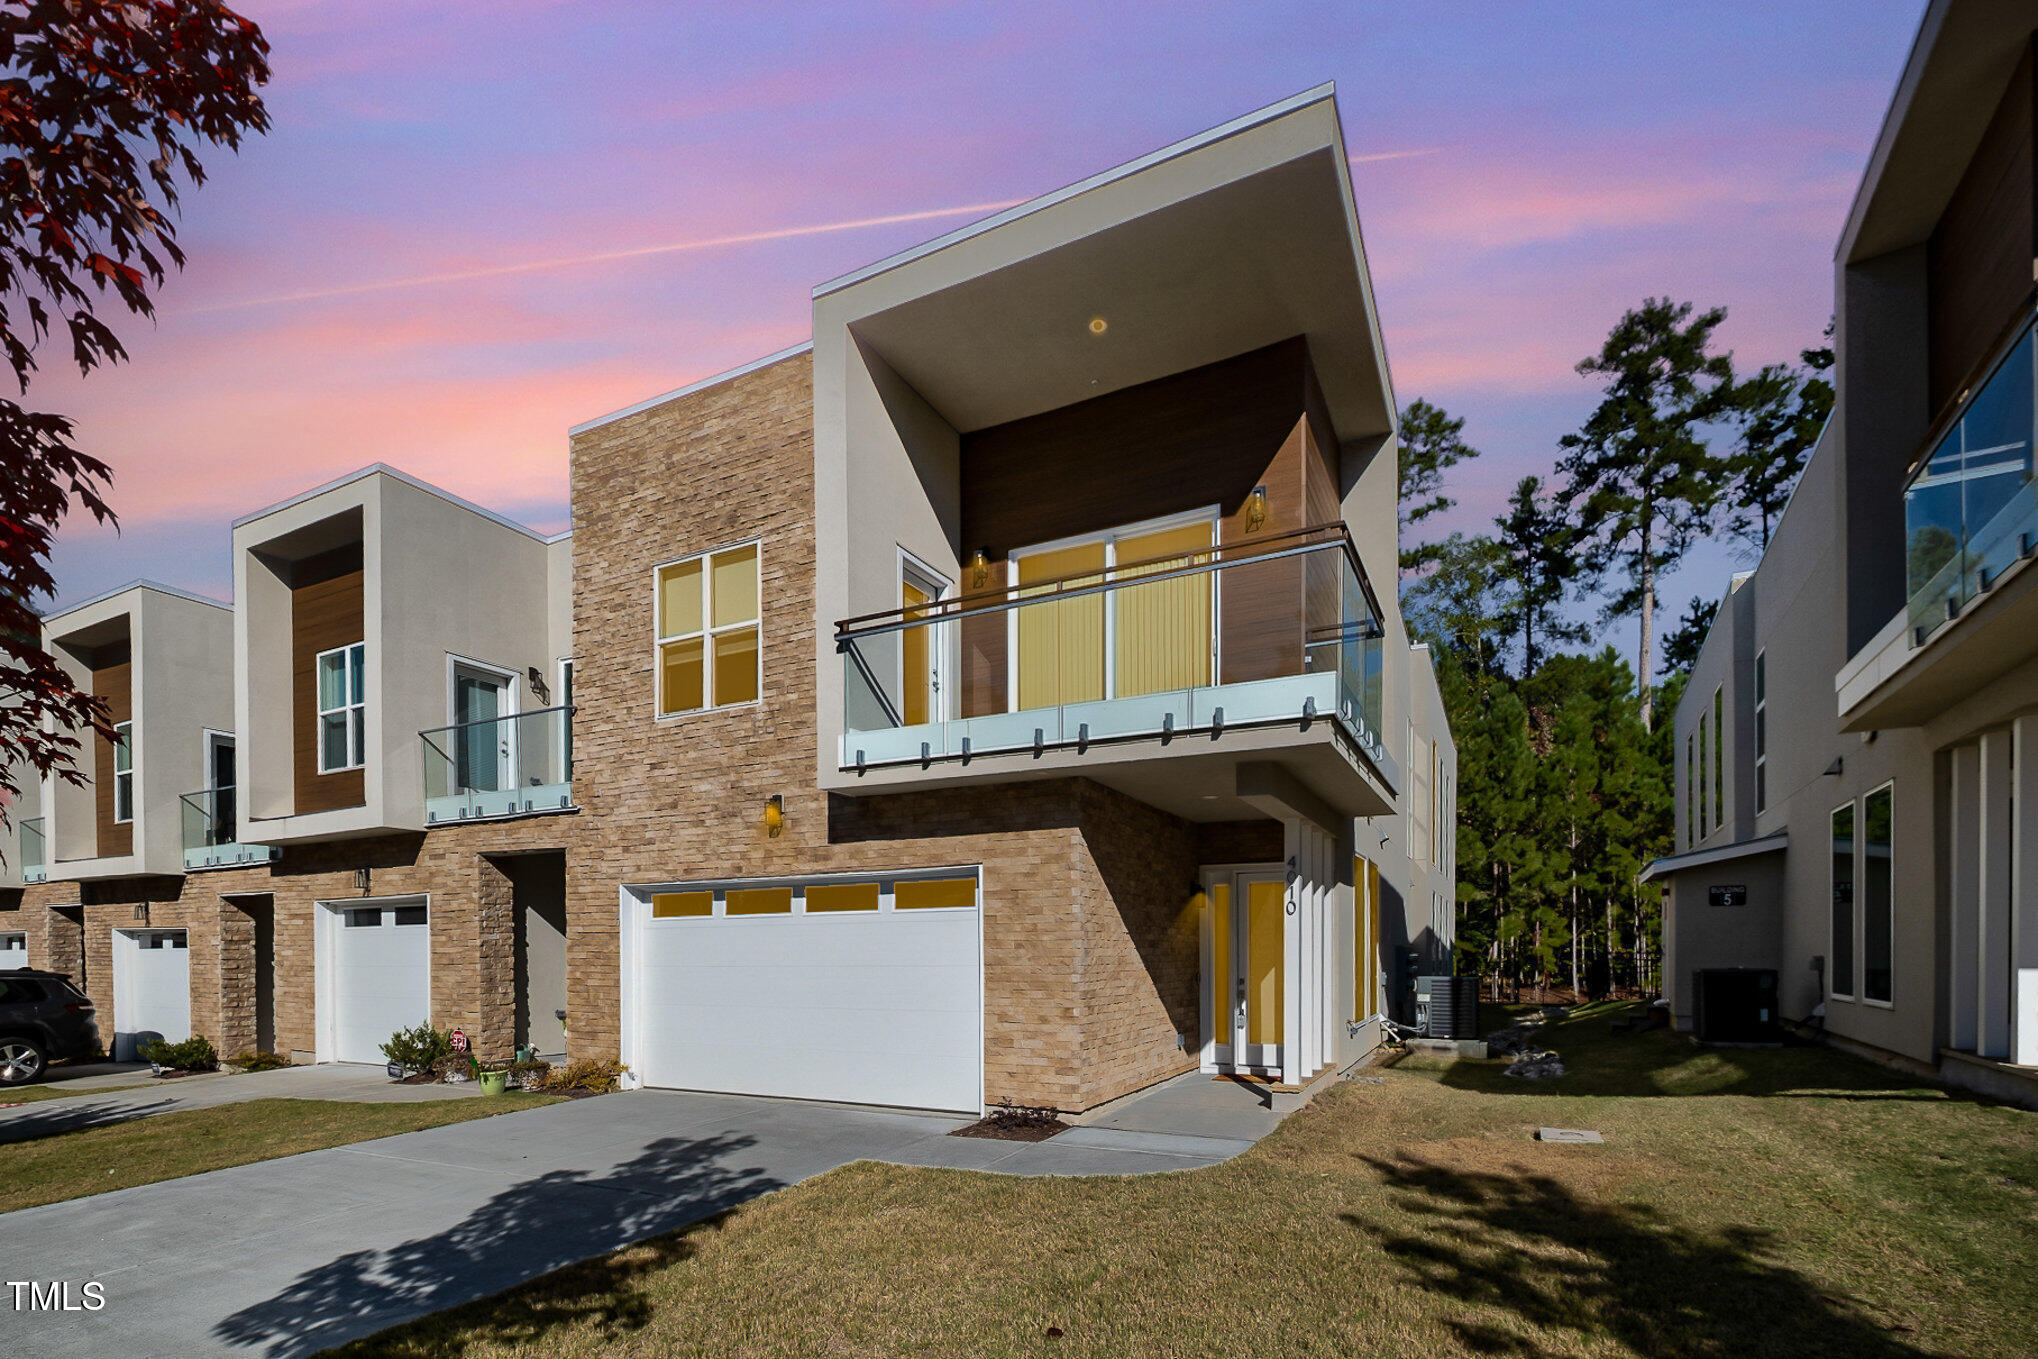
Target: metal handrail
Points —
{"points": [[1100, 580], [568, 708]]}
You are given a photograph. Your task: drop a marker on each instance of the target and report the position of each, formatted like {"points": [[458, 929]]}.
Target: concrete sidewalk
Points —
{"points": [[286, 1257], [73, 1113]]}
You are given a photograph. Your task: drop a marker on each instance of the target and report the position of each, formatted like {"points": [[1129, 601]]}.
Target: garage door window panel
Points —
{"points": [[926, 894]]}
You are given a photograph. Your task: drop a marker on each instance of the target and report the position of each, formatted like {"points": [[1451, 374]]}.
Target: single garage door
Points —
{"points": [[379, 978], [151, 990], [13, 950], [866, 991]]}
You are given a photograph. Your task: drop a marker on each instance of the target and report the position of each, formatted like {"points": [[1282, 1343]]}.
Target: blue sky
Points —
{"points": [[428, 261]]}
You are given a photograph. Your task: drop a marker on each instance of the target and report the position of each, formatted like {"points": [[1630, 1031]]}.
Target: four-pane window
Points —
{"points": [[708, 652]]}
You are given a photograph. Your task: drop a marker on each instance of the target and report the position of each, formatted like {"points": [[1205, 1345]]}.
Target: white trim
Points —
{"points": [[1108, 538], [690, 388], [1853, 903], [707, 633], [514, 685], [1860, 911], [1774, 843], [1209, 137], [942, 643], [320, 712], [325, 1004], [384, 469], [123, 737]]}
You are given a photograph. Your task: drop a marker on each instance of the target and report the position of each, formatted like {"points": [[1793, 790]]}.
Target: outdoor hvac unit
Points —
{"points": [[1447, 1007], [1735, 1005]]}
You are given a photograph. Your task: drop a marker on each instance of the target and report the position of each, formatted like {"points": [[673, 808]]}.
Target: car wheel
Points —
{"points": [[21, 1061]]}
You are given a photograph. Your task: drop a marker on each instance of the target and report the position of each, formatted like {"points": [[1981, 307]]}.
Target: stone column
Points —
{"points": [[495, 963]]}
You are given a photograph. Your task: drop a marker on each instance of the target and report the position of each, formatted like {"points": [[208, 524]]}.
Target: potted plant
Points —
{"points": [[494, 1082]]}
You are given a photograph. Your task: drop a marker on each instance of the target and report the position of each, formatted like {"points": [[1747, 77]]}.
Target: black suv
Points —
{"points": [[43, 1018]]}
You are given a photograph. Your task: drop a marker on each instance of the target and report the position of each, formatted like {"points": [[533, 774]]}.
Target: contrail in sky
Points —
{"points": [[640, 252], [602, 257]]}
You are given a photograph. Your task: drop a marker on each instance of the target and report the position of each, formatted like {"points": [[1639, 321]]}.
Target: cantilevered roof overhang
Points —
{"points": [[1699, 858], [1231, 240]]}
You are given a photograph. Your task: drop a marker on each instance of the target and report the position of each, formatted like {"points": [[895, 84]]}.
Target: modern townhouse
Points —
{"points": [[1004, 698], [1855, 747], [337, 808]]}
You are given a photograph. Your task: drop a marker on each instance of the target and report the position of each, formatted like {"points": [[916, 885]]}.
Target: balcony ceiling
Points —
{"points": [[1210, 252]]}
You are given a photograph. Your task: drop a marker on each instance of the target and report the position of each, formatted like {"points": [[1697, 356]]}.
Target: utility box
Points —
{"points": [[1735, 1005], [1447, 1007]]}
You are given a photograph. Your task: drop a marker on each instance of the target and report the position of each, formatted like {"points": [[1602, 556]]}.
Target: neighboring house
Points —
{"points": [[1855, 732], [1003, 698], [342, 805]]}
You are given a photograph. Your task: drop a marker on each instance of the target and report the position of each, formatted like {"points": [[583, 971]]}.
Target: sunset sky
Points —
{"points": [[474, 225]]}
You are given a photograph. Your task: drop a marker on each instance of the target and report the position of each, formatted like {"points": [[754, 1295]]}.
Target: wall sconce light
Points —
{"points": [[980, 568], [1256, 509], [774, 814], [360, 879], [1098, 325], [539, 687]]}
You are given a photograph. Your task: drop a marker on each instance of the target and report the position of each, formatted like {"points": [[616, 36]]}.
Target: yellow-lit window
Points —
{"points": [[841, 896], [679, 905], [759, 901], [930, 893], [708, 652]]}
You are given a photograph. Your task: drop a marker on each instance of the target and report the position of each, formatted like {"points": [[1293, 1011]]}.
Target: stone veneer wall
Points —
{"points": [[1090, 968]]}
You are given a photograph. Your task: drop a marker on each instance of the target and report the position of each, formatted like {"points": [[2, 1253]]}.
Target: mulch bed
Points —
{"points": [[1013, 1128]]}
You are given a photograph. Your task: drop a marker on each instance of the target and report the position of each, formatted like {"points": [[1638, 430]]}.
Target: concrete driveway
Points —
{"points": [[287, 1257]]}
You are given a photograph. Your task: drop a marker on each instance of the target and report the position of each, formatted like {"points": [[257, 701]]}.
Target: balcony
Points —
{"points": [[1165, 656], [1970, 530], [518, 765], [1969, 511], [34, 852], [212, 833]]}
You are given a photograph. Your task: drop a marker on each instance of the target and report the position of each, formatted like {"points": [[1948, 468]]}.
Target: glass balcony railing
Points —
{"points": [[212, 832], [503, 766], [1969, 508], [34, 855], [1280, 630]]}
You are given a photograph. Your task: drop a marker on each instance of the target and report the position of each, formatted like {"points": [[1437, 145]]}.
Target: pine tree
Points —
{"points": [[1779, 413], [1538, 562], [1432, 441], [1639, 473]]}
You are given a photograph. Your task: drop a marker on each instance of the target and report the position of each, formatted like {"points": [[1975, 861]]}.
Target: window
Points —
{"points": [[412, 915], [220, 782], [19, 990], [681, 905], [1877, 880], [935, 894], [566, 719], [123, 771], [841, 896], [1719, 757], [1761, 731], [1840, 966], [708, 652], [342, 708], [758, 901], [1690, 793], [1704, 776]]}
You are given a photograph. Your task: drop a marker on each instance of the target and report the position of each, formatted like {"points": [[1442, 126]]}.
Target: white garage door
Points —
{"points": [[379, 978], [151, 990], [866, 992], [13, 951]]}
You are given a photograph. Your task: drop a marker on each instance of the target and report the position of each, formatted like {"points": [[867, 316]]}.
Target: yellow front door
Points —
{"points": [[915, 658]]}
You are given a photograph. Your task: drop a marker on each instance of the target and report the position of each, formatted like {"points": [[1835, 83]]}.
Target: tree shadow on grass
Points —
{"points": [[1578, 1271], [53, 1118], [523, 1231]]}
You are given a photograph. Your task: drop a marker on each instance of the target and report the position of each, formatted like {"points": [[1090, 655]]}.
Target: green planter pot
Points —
{"points": [[494, 1082]]}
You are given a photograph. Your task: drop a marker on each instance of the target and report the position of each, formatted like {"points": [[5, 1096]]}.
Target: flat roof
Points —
{"points": [[702, 385], [384, 469], [155, 585]]}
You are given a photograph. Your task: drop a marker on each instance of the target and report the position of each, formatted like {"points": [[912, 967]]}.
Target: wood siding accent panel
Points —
{"points": [[113, 681], [1206, 436], [326, 611], [1979, 259]]}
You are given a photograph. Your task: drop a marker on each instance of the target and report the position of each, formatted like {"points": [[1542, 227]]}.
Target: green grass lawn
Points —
{"points": [[33, 1094], [1783, 1203], [70, 1165]]}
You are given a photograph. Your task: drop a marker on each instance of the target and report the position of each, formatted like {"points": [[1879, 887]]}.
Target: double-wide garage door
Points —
{"points": [[863, 991]]}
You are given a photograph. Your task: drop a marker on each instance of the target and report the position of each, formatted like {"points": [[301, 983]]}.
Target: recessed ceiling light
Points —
{"points": [[1097, 325]]}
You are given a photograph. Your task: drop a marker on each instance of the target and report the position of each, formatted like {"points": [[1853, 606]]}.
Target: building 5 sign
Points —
{"points": [[1732, 894]]}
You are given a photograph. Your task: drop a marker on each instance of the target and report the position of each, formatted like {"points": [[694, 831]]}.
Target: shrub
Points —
{"points": [[419, 1049], [193, 1054], [530, 1075], [586, 1075], [252, 1060]]}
